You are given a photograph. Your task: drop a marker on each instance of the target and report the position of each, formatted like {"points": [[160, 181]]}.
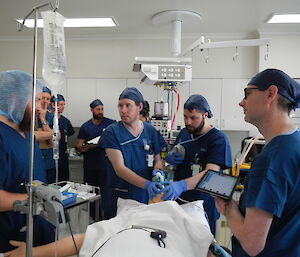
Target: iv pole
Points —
{"points": [[29, 218]]}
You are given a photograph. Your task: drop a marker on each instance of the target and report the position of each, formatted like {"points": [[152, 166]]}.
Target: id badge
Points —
{"points": [[195, 169], [150, 159]]}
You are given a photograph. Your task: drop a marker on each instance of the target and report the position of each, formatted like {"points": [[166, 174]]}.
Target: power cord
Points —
{"points": [[157, 234]]}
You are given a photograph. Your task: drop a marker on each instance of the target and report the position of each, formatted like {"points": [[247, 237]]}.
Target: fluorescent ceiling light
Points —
{"points": [[76, 23], [285, 18]]}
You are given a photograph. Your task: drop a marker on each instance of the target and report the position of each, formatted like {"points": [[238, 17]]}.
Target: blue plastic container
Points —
{"points": [[68, 198]]}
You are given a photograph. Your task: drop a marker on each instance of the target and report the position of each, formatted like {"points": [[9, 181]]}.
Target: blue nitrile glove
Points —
{"points": [[159, 171], [153, 188], [173, 189], [174, 158]]}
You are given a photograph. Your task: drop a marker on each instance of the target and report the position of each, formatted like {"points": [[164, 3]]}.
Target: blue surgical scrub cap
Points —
{"points": [[59, 98], [47, 90], [16, 90], [133, 94], [198, 102], [95, 103], [287, 87]]}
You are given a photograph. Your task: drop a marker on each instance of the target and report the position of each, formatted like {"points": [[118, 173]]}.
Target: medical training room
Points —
{"points": [[149, 128]]}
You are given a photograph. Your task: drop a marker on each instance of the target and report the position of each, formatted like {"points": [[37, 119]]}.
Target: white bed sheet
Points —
{"points": [[188, 233]]}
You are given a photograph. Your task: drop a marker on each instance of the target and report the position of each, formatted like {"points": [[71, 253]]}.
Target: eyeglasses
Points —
{"points": [[248, 89]]}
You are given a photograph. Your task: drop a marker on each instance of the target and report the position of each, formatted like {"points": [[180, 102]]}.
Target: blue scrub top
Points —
{"points": [[273, 185], [118, 137], [212, 147], [14, 170], [66, 130], [94, 157]]}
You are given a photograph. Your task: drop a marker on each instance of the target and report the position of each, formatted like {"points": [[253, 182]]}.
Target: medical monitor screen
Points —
{"points": [[217, 184]]}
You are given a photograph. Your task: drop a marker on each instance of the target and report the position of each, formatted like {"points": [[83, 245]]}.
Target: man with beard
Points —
{"points": [[93, 156], [205, 148], [66, 130], [15, 116]]}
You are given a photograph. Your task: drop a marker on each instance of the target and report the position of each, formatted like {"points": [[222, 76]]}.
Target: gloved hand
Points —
{"points": [[159, 171], [153, 188], [174, 158], [173, 189]]}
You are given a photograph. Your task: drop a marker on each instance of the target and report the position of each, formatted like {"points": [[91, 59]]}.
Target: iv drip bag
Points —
{"points": [[54, 65]]}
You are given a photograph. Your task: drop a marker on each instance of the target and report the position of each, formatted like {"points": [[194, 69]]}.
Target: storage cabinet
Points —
{"points": [[232, 115], [211, 89], [223, 96]]}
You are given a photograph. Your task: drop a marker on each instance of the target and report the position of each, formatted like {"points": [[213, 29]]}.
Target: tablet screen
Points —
{"points": [[218, 184]]}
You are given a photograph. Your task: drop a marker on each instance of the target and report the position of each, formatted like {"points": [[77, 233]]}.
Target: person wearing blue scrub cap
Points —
{"points": [[133, 149], [44, 134], [66, 130], [145, 112], [15, 119], [93, 157], [266, 221], [205, 148], [95, 103]]}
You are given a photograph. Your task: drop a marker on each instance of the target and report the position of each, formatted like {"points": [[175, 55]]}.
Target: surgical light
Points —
{"points": [[285, 18], [76, 23]]}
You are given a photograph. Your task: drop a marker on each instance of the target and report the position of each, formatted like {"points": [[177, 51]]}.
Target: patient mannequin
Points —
{"points": [[181, 224]]}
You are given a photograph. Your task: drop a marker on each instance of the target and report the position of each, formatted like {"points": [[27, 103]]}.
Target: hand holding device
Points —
{"points": [[153, 188], [174, 158], [155, 171], [173, 189]]}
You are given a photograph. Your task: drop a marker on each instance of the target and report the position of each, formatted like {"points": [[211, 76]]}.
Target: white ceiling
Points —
{"points": [[219, 17]]}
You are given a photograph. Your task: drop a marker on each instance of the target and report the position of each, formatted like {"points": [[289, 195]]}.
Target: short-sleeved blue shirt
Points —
{"points": [[93, 158], [273, 185], [14, 170], [212, 147], [135, 151]]}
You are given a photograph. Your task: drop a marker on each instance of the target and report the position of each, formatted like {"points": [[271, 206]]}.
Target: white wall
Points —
{"points": [[108, 63], [114, 58], [284, 53]]}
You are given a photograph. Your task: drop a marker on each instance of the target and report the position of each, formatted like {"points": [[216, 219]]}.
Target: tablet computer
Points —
{"points": [[218, 184]]}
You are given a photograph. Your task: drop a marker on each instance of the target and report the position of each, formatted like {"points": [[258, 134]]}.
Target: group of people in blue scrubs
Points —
{"points": [[266, 221], [44, 134]]}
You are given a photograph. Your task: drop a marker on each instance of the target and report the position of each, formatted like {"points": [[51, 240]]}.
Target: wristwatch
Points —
{"points": [[44, 122]]}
